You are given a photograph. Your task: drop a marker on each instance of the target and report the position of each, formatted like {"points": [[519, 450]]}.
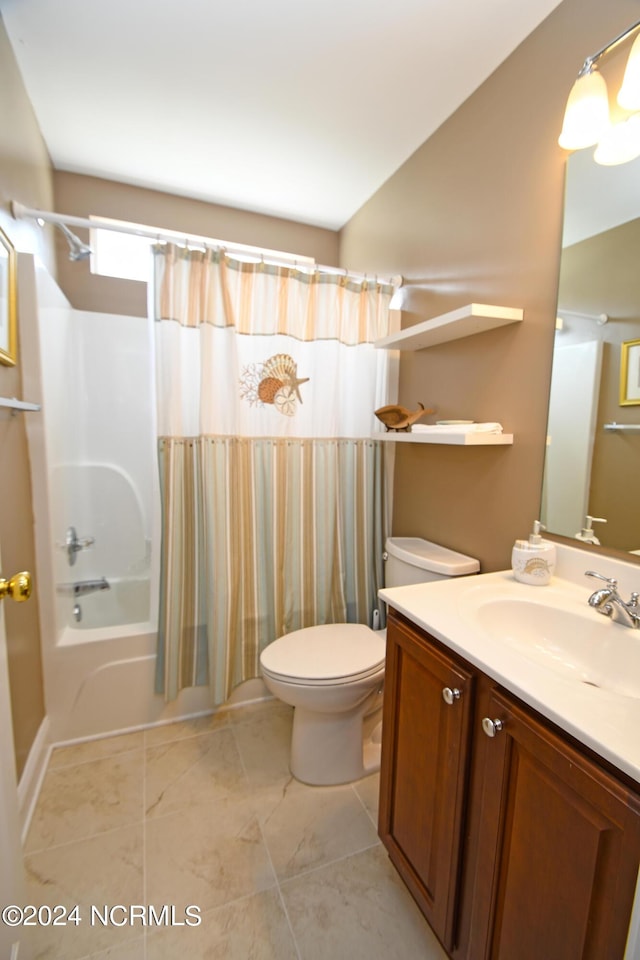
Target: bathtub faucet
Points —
{"points": [[82, 587]]}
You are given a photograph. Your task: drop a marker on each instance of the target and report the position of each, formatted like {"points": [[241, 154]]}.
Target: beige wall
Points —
{"points": [[83, 196], [24, 176], [600, 275], [475, 215]]}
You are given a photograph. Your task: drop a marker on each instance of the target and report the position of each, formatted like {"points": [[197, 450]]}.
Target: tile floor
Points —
{"points": [[206, 813]]}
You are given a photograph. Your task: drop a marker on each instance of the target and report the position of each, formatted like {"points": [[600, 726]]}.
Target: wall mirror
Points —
{"points": [[592, 459]]}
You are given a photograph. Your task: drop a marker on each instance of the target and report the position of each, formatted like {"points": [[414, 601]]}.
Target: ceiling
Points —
{"points": [[295, 108]]}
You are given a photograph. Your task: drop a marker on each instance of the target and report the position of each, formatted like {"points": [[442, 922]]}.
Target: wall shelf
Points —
{"points": [[464, 322], [14, 404], [469, 439]]}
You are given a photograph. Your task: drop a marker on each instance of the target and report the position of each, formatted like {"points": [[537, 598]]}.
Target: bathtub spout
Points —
{"points": [[81, 587]]}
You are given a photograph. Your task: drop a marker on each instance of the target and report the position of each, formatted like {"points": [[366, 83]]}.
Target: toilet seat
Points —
{"points": [[327, 654]]}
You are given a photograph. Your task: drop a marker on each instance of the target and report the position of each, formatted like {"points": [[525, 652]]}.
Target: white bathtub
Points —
{"points": [[102, 681]]}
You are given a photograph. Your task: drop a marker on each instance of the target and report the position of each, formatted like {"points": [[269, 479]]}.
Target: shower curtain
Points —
{"points": [[272, 487]]}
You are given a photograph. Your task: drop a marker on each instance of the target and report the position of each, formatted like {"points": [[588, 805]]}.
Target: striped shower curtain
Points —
{"points": [[272, 488]]}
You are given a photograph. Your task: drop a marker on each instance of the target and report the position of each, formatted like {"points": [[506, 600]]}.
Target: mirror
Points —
{"points": [[593, 435]]}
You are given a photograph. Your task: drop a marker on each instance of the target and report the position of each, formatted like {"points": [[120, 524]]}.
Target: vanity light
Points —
{"points": [[629, 93], [620, 143], [586, 119], [587, 115]]}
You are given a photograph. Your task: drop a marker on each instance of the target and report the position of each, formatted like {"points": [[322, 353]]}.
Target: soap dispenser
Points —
{"points": [[586, 534], [534, 560]]}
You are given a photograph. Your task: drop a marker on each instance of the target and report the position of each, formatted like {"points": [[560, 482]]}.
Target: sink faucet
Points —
{"points": [[609, 603]]}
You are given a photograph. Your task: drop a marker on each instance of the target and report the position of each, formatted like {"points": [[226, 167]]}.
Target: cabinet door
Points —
{"points": [[558, 849], [425, 743]]}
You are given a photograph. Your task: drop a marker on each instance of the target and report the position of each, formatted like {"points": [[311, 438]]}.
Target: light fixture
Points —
{"points": [[620, 143], [629, 93], [587, 115], [586, 119]]}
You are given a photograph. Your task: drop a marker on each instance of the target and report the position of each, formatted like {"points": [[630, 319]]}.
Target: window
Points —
{"points": [[126, 255], [123, 255]]}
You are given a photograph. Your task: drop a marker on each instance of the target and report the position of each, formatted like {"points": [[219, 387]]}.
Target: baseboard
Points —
{"points": [[32, 776]]}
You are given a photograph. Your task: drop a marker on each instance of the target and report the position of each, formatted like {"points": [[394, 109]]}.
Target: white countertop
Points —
{"points": [[607, 722]]}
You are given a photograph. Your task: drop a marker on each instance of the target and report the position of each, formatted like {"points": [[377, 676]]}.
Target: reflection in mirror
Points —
{"points": [[592, 461]]}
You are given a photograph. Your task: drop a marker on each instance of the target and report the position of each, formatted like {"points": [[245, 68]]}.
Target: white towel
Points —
{"points": [[457, 428]]}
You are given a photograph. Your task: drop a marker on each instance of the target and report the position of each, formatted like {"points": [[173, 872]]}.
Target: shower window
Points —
{"points": [[122, 255], [127, 255]]}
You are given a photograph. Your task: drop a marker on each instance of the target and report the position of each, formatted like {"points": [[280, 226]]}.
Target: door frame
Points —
{"points": [[11, 863]]}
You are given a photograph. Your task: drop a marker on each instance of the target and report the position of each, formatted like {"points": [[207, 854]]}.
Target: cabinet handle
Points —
{"points": [[450, 696], [491, 727]]}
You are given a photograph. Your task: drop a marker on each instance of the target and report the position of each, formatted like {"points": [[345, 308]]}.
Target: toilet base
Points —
{"points": [[328, 749]]}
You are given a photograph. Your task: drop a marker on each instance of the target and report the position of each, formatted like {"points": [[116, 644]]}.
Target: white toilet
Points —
{"points": [[333, 674]]}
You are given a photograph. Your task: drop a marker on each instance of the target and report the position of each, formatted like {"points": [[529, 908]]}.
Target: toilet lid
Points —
{"points": [[327, 652]]}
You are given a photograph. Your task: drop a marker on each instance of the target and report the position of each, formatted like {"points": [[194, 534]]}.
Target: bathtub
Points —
{"points": [[102, 681], [127, 601]]}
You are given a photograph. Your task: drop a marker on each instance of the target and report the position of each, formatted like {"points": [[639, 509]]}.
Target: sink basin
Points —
{"points": [[582, 646]]}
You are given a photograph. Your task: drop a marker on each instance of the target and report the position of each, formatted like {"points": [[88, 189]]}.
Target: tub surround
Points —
{"points": [[604, 721]]}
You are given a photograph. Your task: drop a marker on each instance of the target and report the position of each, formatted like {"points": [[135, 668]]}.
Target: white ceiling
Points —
{"points": [[295, 108]]}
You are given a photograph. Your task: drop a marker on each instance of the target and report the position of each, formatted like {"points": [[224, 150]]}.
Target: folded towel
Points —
{"points": [[456, 428]]}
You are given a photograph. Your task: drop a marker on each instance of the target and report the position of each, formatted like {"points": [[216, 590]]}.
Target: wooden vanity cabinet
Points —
{"points": [[539, 857], [558, 846], [426, 746]]}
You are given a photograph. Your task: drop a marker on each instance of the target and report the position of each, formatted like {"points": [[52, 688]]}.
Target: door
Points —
{"points": [[425, 750], [573, 407], [11, 876], [559, 846]]}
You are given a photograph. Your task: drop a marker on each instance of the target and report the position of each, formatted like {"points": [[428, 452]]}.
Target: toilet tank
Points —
{"points": [[413, 560]]}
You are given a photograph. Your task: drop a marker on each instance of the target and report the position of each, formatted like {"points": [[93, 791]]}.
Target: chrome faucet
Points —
{"points": [[609, 603], [82, 587], [73, 544]]}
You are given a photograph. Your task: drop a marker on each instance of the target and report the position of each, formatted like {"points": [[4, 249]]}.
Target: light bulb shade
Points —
{"points": [[629, 93], [586, 117], [620, 143]]}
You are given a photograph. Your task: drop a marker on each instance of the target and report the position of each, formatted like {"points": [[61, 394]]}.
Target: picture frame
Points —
{"points": [[8, 318], [630, 373]]}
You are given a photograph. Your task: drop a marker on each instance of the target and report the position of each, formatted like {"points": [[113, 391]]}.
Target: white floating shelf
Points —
{"points": [[470, 439], [14, 404], [464, 322]]}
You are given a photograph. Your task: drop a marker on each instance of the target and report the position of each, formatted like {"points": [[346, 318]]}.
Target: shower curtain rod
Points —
{"points": [[274, 257]]}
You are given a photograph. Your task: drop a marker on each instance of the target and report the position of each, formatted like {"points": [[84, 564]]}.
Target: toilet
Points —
{"points": [[333, 674]]}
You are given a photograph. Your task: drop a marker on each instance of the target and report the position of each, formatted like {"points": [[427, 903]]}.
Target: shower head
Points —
{"points": [[77, 249]]}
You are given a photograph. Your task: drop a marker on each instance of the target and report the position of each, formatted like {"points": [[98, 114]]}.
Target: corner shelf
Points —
{"points": [[470, 439], [464, 322]]}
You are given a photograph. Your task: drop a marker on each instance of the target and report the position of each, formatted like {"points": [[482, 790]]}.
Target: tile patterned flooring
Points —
{"points": [[206, 813]]}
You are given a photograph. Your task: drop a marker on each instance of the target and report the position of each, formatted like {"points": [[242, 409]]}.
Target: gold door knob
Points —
{"points": [[18, 587]]}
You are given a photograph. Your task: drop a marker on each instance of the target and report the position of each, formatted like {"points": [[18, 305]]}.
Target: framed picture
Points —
{"points": [[8, 332], [630, 373]]}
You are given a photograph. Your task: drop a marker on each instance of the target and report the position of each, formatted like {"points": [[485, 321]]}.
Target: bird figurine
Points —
{"points": [[399, 418]]}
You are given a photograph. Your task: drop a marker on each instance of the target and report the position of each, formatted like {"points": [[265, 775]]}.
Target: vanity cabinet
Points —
{"points": [[425, 759], [515, 842]]}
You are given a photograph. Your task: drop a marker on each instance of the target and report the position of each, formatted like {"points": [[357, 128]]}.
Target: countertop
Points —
{"points": [[607, 722]]}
